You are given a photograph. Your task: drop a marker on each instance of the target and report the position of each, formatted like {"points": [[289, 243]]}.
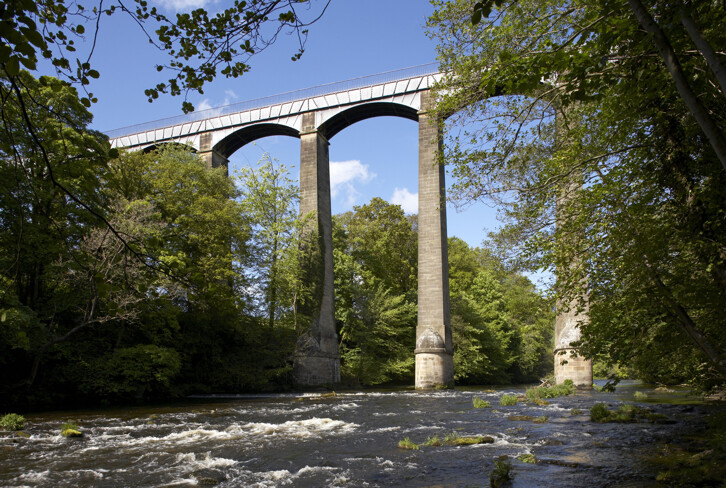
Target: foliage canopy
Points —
{"points": [[583, 120]]}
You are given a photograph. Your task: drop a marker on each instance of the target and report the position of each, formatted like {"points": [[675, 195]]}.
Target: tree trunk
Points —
{"points": [[706, 49], [686, 322]]}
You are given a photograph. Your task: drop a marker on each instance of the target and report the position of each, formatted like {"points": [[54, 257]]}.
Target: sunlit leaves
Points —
{"points": [[542, 95], [269, 199], [200, 45]]}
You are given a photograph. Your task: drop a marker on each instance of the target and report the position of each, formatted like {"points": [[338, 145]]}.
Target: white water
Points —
{"points": [[349, 440]]}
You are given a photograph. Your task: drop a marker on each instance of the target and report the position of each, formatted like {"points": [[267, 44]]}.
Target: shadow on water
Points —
{"points": [[350, 439]]}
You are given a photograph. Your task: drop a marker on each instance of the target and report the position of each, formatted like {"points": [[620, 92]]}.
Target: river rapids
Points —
{"points": [[346, 440]]}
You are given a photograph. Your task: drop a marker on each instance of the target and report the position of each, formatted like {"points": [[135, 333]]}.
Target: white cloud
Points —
{"points": [[216, 109], [203, 105], [407, 200], [343, 177], [179, 5]]}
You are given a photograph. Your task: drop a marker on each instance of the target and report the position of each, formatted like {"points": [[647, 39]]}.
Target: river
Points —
{"points": [[349, 440]]}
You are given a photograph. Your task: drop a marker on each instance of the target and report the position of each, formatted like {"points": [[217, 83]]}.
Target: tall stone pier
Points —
{"points": [[211, 156], [572, 314], [434, 355], [317, 360], [569, 366], [316, 115]]}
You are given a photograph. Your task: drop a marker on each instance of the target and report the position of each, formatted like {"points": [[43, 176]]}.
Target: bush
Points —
{"points": [[626, 413], [501, 476], [12, 421], [599, 413], [508, 400], [481, 403], [541, 392], [640, 396], [69, 429], [528, 458]]}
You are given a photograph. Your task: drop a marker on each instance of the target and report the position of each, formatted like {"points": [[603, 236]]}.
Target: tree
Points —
{"points": [[200, 46], [269, 200], [502, 327], [579, 91], [43, 232], [199, 236], [374, 251], [382, 239]]}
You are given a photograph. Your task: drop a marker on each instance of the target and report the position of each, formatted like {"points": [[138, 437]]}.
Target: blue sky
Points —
{"points": [[375, 157]]}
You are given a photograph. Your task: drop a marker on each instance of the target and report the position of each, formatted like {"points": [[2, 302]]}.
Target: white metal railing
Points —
{"points": [[291, 96]]}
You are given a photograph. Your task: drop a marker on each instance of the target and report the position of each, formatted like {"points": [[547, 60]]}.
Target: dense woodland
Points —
{"points": [[191, 283], [598, 127]]}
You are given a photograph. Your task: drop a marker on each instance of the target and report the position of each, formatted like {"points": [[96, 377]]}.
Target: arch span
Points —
{"points": [[230, 144], [363, 111]]}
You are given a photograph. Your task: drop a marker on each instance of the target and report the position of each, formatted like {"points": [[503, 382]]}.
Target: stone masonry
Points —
{"points": [[213, 158], [434, 356], [568, 365], [317, 360], [567, 331]]}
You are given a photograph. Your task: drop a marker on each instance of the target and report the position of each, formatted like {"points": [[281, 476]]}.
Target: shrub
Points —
{"points": [[12, 421], [640, 396], [599, 412], [481, 403], [501, 475], [69, 429], [528, 458], [541, 392], [508, 400]]}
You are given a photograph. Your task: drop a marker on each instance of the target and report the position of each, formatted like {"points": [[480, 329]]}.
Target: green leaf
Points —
{"points": [[5, 52], [12, 66], [29, 63], [34, 37], [476, 17]]}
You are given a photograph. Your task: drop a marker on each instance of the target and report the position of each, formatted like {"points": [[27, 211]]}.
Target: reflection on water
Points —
{"points": [[349, 440]]}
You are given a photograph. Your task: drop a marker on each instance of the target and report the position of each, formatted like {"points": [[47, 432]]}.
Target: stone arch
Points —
{"points": [[350, 116], [234, 141]]}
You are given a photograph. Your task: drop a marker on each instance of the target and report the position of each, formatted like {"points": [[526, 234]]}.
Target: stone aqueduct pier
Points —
{"points": [[315, 116]]}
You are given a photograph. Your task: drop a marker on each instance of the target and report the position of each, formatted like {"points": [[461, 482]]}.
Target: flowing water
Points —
{"points": [[348, 440]]}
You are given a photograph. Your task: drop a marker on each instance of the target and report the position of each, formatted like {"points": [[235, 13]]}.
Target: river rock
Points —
{"points": [[209, 477]]}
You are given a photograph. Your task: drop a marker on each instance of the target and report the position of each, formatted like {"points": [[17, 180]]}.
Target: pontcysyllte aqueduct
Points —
{"points": [[315, 116]]}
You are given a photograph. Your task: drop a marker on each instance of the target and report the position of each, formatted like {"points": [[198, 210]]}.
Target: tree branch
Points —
{"points": [[709, 127]]}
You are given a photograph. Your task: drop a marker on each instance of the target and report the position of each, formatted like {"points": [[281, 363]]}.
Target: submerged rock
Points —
{"points": [[521, 418], [209, 477], [552, 442]]}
